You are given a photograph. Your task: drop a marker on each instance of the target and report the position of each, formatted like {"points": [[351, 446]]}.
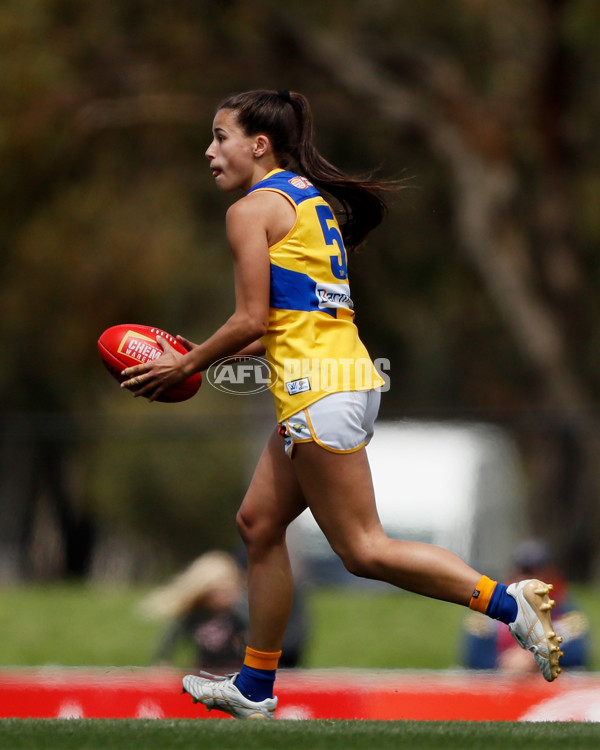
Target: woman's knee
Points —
{"points": [[258, 531], [361, 559]]}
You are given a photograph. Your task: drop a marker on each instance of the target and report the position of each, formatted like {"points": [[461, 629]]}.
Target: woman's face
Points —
{"points": [[231, 153]]}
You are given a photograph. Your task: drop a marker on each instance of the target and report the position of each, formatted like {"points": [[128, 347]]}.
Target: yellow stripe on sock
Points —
{"points": [[482, 594], [261, 659]]}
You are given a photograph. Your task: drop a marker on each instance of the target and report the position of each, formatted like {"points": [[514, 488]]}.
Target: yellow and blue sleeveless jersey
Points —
{"points": [[311, 340]]}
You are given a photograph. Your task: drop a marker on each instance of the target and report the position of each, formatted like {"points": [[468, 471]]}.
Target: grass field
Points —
{"points": [[293, 735], [77, 625]]}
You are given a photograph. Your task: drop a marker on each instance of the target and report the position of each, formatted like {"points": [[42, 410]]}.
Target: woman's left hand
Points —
{"points": [[151, 379]]}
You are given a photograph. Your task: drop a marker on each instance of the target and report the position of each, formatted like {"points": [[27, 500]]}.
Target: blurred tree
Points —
{"points": [[503, 128]]}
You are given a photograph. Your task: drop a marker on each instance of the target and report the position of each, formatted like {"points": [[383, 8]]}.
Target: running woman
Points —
{"points": [[293, 303]]}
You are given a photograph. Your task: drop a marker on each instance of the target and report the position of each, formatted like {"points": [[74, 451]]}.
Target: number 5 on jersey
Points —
{"points": [[332, 236]]}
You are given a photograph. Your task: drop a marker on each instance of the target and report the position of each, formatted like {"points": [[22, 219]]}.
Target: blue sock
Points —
{"points": [[502, 606], [255, 684]]}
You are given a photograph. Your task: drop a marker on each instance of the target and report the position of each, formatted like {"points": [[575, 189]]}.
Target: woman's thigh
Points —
{"points": [[338, 489]]}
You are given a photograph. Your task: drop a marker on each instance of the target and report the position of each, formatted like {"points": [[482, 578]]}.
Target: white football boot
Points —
{"points": [[219, 692], [532, 628]]}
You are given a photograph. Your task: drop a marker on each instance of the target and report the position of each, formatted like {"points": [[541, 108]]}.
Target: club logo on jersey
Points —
{"points": [[298, 386], [300, 182], [331, 296], [242, 376]]}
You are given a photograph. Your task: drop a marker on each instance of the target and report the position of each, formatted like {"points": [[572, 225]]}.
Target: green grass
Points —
{"points": [[382, 630], [73, 625], [77, 625], [18, 734]]}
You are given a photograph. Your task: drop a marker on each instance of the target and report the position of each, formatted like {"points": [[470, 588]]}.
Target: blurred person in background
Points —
{"points": [[205, 605], [207, 608], [488, 644]]}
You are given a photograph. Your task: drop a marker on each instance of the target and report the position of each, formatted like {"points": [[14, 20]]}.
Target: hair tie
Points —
{"points": [[285, 95]]}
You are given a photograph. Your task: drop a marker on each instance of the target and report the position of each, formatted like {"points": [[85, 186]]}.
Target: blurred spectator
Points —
{"points": [[487, 644], [206, 606]]}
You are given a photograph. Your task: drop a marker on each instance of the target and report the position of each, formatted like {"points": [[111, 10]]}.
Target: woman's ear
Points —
{"points": [[261, 145]]}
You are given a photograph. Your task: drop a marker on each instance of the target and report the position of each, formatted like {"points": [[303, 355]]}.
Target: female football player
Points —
{"points": [[293, 302]]}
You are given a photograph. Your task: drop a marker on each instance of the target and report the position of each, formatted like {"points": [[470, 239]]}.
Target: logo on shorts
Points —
{"points": [[297, 386], [242, 376]]}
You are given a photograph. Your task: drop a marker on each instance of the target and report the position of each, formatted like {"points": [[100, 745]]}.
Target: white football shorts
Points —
{"points": [[340, 422]]}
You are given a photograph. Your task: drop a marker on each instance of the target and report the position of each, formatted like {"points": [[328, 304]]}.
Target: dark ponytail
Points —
{"points": [[287, 119]]}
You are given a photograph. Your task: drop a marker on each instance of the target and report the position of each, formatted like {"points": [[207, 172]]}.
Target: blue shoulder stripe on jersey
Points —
{"points": [[281, 181], [292, 290]]}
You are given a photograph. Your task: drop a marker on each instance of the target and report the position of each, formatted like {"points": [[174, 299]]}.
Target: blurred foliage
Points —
{"points": [[108, 214]]}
